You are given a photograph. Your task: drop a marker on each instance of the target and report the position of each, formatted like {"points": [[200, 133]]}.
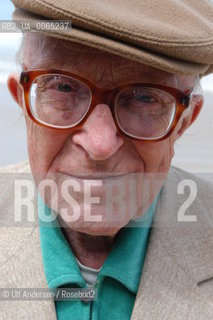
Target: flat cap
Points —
{"points": [[171, 35]]}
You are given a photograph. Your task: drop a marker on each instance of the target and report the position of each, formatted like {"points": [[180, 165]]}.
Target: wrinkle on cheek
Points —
{"points": [[168, 155], [156, 156], [57, 146], [36, 150], [43, 146]]}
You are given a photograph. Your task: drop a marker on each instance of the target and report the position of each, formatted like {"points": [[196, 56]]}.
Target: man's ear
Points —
{"points": [[15, 88], [191, 114]]}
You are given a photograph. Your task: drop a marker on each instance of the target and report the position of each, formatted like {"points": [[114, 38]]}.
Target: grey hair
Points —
{"points": [[35, 44]]}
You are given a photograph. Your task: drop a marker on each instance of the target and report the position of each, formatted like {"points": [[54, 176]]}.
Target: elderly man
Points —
{"points": [[104, 102]]}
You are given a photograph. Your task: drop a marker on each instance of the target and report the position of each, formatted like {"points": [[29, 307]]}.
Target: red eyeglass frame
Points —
{"points": [[27, 78]]}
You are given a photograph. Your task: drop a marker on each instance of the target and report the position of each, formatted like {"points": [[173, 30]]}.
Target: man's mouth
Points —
{"points": [[98, 176]]}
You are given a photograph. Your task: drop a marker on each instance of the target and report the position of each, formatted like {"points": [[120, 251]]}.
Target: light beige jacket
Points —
{"points": [[177, 278]]}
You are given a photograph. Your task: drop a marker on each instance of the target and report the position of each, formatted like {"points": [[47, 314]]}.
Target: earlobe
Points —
{"points": [[15, 88]]}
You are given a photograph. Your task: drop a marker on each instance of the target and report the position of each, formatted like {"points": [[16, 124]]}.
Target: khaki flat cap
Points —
{"points": [[171, 35]]}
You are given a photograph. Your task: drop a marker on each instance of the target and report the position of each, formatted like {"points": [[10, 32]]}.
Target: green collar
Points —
{"points": [[124, 263]]}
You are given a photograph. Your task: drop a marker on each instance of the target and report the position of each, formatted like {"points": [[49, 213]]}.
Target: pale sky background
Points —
{"points": [[194, 152]]}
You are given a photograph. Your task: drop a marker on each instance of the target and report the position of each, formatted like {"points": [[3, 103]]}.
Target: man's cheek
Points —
{"points": [[154, 157], [43, 147]]}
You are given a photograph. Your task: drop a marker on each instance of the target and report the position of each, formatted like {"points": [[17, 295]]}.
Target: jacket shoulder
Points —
{"points": [[177, 172], [16, 168], [179, 180], [186, 201]]}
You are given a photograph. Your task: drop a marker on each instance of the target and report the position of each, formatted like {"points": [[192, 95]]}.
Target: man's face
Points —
{"points": [[97, 150]]}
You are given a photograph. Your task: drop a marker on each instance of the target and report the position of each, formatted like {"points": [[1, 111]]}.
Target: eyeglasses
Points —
{"points": [[61, 100]]}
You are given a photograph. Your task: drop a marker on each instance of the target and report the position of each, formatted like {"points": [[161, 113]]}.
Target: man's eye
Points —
{"points": [[145, 98], [64, 87]]}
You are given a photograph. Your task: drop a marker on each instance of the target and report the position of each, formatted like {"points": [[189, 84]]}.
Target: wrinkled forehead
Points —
{"points": [[101, 68]]}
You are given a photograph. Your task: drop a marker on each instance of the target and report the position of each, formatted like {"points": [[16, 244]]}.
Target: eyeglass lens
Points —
{"points": [[59, 100], [145, 112]]}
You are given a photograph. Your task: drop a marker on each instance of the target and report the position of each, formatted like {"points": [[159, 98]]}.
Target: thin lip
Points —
{"points": [[95, 176]]}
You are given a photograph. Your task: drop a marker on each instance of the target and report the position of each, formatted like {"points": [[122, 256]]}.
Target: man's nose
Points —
{"points": [[99, 136]]}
